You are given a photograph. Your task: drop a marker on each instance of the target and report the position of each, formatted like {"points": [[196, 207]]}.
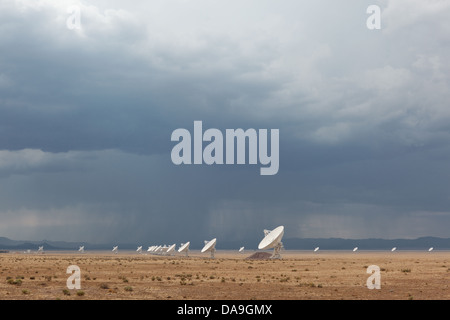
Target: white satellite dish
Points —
{"points": [[393, 249], [272, 239], [40, 249], [139, 249], [355, 249], [81, 249], [241, 249], [210, 246], [171, 249], [316, 249], [115, 249], [184, 248], [431, 249], [163, 249]]}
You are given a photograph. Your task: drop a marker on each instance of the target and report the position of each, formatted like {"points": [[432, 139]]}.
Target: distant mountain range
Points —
{"points": [[422, 243]]}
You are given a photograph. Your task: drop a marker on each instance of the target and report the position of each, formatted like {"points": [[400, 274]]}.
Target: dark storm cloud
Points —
{"points": [[86, 118]]}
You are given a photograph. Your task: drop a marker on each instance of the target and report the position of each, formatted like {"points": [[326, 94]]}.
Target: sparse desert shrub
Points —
{"points": [[80, 293], [104, 286], [16, 282]]}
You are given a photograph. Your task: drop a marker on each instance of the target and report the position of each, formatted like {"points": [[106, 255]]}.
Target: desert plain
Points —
{"points": [[299, 275]]}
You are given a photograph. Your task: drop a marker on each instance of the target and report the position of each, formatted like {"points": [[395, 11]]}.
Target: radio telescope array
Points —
{"points": [[272, 239]]}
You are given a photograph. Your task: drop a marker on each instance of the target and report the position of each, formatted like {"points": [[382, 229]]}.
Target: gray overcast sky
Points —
{"points": [[86, 118]]}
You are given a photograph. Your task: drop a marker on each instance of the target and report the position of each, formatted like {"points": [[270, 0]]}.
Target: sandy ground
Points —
{"points": [[298, 276]]}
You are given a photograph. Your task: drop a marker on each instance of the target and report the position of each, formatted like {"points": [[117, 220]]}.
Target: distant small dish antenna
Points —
{"points": [[210, 246], [170, 250], [393, 249], [184, 248], [241, 249], [40, 249], [316, 249], [139, 249], [163, 249], [115, 249], [81, 249], [431, 249], [271, 240], [355, 249]]}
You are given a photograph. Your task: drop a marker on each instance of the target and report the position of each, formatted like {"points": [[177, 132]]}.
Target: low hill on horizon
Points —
{"points": [[422, 243]]}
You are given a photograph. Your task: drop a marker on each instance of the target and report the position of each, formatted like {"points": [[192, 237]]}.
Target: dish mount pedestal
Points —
{"points": [[276, 251]]}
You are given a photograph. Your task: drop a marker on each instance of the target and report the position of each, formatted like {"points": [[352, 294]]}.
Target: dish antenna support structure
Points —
{"points": [[115, 249], [272, 239], [210, 246], [184, 248], [170, 250], [81, 249]]}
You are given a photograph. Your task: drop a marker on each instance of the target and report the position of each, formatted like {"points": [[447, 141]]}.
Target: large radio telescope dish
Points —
{"points": [[210, 246], [184, 248], [241, 249], [115, 249], [81, 249], [271, 240], [139, 249]]}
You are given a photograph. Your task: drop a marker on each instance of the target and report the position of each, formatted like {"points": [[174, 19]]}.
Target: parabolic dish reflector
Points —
{"points": [[171, 248], [209, 245], [272, 238], [184, 247]]}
